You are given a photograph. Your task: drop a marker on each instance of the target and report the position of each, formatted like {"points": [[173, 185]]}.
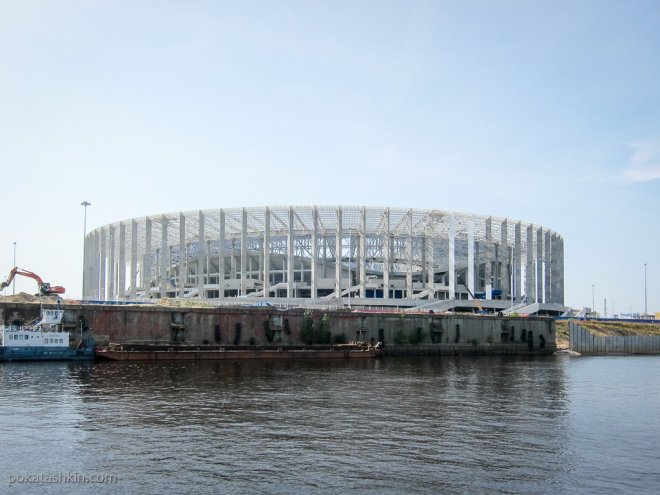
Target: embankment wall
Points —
{"points": [[583, 341], [402, 333]]}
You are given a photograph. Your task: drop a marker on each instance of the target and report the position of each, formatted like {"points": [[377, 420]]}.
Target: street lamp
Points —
{"points": [[646, 311], [84, 204]]}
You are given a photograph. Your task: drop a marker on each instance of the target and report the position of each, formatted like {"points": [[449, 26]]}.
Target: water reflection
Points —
{"points": [[471, 424]]}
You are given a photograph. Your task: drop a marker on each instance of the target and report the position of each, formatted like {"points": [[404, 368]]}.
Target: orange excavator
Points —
{"points": [[45, 289]]}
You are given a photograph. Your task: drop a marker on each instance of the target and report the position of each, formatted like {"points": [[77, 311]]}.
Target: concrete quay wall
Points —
{"points": [[583, 341], [402, 333]]}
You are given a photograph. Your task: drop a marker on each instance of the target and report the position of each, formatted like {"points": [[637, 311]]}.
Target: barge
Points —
{"points": [[148, 352]]}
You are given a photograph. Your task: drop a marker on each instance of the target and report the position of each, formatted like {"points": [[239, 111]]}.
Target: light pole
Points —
{"points": [[13, 284], [84, 204], [646, 310]]}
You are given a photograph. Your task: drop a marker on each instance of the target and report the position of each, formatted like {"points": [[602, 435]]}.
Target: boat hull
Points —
{"points": [[174, 354], [45, 354]]}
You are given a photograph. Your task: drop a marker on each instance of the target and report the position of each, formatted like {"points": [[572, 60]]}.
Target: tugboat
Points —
{"points": [[42, 340]]}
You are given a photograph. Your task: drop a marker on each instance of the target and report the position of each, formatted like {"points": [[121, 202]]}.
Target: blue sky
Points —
{"points": [[547, 112]]}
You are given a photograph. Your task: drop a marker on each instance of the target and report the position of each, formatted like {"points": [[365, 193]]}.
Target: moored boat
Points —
{"points": [[147, 352], [42, 340]]}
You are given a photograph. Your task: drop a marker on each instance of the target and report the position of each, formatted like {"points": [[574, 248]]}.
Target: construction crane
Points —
{"points": [[45, 289], [481, 309]]}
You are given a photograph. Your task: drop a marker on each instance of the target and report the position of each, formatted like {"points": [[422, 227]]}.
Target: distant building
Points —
{"points": [[371, 255]]}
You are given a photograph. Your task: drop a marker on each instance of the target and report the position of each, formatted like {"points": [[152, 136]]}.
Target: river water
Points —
{"points": [[588, 425]]}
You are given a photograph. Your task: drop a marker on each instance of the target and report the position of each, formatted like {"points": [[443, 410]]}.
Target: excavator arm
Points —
{"points": [[45, 289]]}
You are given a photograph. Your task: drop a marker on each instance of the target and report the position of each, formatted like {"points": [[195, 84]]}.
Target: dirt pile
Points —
{"points": [[23, 297], [183, 303]]}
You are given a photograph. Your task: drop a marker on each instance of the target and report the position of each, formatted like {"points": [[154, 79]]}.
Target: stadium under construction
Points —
{"points": [[330, 256]]}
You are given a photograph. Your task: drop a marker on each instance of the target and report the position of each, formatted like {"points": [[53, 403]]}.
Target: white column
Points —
{"points": [[244, 251], [338, 255], [183, 256], [429, 249], [232, 260], [477, 256], [315, 250], [387, 246], [504, 257], [409, 256], [290, 256], [103, 264], [470, 260], [530, 282], [111, 264], [207, 263], [452, 256], [259, 258], [164, 257], [548, 269], [488, 259], [201, 256], [146, 264], [560, 292], [539, 265], [88, 265], [121, 268], [267, 253], [363, 252], [324, 256], [557, 269], [134, 254], [92, 286], [221, 255], [88, 242], [517, 251]]}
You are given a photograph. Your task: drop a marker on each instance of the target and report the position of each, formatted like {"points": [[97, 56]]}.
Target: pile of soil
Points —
{"points": [[183, 303], [23, 297]]}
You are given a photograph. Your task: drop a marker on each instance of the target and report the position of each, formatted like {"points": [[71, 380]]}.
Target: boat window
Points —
{"points": [[26, 337]]}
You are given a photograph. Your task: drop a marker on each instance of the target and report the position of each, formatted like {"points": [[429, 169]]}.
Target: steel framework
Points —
{"points": [[323, 251]]}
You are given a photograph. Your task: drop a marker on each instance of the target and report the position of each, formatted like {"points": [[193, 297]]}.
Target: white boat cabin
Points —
{"points": [[46, 332]]}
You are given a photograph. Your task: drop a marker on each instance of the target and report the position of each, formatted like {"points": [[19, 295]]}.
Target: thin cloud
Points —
{"points": [[644, 164]]}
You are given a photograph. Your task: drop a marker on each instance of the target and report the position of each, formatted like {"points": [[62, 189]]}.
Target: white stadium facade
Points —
{"points": [[358, 256]]}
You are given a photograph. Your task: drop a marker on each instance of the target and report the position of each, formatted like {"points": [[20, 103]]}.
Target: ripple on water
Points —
{"points": [[452, 425]]}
